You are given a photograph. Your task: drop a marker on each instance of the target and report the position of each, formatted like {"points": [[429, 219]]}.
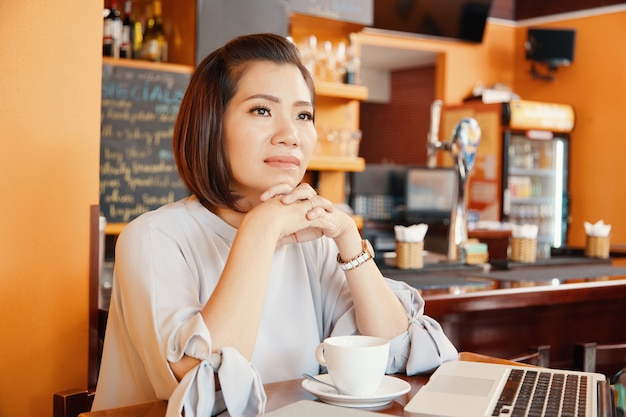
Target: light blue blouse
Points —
{"points": [[168, 263]]}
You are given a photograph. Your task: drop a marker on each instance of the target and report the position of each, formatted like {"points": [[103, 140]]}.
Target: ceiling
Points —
{"points": [[387, 58]]}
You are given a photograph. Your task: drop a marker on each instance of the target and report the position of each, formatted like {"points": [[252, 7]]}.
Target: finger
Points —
{"points": [[321, 218], [323, 226], [308, 206], [278, 189], [301, 192], [321, 202]]}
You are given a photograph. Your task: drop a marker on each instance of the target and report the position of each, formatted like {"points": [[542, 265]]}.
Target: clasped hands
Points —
{"points": [[311, 215]]}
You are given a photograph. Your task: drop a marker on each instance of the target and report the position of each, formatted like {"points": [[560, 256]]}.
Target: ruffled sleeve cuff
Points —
{"points": [[424, 346], [430, 347], [241, 388], [196, 395]]}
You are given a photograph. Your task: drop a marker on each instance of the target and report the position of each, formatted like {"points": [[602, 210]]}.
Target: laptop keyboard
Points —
{"points": [[530, 393]]}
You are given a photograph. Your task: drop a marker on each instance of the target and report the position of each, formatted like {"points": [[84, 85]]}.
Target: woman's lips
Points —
{"points": [[283, 162]]}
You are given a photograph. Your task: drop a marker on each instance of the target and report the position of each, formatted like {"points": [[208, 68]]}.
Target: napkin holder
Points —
{"points": [[409, 255], [523, 249], [597, 246]]}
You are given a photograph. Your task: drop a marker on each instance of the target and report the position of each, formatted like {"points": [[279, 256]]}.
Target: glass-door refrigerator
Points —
{"points": [[535, 184], [521, 172]]}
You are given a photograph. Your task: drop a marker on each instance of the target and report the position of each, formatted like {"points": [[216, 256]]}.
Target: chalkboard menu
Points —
{"points": [[140, 103]]}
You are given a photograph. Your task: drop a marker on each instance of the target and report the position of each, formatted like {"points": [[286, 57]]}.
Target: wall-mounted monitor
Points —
{"points": [[453, 19], [552, 47], [430, 192]]}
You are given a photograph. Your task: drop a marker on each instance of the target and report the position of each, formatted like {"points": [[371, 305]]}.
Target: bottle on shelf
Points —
{"points": [[154, 41], [148, 27], [341, 62], [137, 36], [112, 32], [326, 64], [353, 63], [126, 43], [308, 51]]}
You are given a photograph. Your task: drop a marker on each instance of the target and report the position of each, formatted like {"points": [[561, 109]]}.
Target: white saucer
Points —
{"points": [[389, 389]]}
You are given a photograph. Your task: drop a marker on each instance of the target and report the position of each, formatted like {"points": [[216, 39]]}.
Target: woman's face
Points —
{"points": [[268, 128]]}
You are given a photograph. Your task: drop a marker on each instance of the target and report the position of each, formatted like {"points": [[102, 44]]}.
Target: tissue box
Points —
{"points": [[597, 246], [409, 255], [523, 250]]}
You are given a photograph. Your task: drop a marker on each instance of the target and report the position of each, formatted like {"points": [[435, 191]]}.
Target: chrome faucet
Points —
{"points": [[462, 147]]}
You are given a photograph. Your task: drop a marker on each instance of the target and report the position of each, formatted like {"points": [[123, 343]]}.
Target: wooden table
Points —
{"points": [[280, 394]]}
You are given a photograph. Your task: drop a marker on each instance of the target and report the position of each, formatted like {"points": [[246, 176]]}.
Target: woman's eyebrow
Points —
{"points": [[269, 97], [303, 103]]}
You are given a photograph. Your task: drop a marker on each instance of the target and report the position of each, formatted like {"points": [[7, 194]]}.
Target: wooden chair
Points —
{"points": [[72, 402], [607, 359], [537, 356]]}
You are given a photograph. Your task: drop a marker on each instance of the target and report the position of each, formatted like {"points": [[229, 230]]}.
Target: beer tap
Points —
{"points": [[462, 147], [433, 144]]}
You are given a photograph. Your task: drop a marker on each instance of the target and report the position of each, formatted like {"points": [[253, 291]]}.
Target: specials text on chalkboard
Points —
{"points": [[140, 103]]}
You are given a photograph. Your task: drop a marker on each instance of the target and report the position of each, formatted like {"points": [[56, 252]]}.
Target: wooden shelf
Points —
{"points": [[342, 91], [331, 181], [336, 163], [139, 63]]}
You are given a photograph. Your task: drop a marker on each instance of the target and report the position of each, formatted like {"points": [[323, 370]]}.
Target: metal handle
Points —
{"points": [[433, 134]]}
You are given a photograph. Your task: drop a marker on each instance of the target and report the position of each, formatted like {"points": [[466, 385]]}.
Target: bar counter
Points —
{"points": [[512, 308], [507, 312]]}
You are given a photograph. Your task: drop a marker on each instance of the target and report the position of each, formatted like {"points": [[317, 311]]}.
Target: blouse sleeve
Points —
{"points": [[421, 349], [161, 303]]}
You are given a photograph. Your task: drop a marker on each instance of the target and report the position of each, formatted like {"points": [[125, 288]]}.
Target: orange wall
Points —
{"points": [[595, 85], [50, 76]]}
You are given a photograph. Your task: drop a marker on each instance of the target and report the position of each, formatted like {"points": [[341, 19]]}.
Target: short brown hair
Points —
{"points": [[198, 138]]}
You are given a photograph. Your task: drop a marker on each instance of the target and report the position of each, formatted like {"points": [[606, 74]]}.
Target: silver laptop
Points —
{"points": [[476, 389]]}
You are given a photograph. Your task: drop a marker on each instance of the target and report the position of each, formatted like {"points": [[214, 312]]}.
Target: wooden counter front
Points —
{"points": [[507, 322]]}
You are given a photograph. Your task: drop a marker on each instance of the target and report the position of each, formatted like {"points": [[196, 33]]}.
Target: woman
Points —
{"points": [[235, 286]]}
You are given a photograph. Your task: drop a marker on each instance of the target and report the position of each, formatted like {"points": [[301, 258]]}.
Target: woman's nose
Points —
{"points": [[286, 134]]}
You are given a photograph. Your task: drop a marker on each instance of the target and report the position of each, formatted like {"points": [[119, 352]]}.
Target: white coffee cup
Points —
{"points": [[356, 364]]}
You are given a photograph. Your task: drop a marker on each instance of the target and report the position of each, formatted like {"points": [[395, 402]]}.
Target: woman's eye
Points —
{"points": [[261, 111], [306, 116]]}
